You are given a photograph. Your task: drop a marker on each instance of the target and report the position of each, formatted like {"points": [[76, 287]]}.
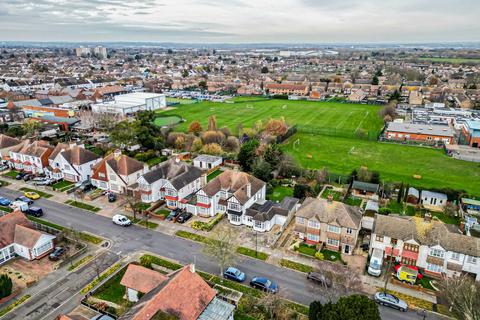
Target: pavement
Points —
{"points": [[62, 296]]}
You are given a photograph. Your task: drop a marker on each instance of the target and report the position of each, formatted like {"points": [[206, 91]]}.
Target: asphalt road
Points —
{"points": [[293, 285]]}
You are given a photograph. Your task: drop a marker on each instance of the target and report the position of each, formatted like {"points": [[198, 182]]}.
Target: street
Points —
{"points": [[126, 241]]}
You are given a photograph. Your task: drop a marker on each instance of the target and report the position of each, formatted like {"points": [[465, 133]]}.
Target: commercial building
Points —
{"points": [[471, 133], [131, 103], [433, 134]]}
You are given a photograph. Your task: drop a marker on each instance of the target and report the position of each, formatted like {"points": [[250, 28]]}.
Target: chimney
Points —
{"points": [[117, 153], [427, 217], [192, 268], [249, 189]]}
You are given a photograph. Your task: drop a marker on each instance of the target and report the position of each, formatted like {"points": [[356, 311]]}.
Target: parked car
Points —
{"points": [[3, 167], [264, 284], [389, 300], [31, 195], [57, 253], [34, 211], [18, 204], [86, 186], [183, 217], [43, 182], [28, 177], [121, 220], [319, 278], [5, 202], [24, 199], [20, 175], [234, 274], [111, 197], [173, 214]]}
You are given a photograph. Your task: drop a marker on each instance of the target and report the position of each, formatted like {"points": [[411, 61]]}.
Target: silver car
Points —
{"points": [[389, 300]]}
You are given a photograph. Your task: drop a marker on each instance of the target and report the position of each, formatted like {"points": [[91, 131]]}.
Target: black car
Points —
{"points": [[183, 217], [319, 278], [87, 186], [173, 214], [20, 175], [111, 197], [28, 177], [34, 211], [25, 199], [264, 284], [57, 253]]}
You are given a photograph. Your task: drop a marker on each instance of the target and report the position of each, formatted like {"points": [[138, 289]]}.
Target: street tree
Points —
{"points": [[222, 248], [462, 294], [5, 286]]}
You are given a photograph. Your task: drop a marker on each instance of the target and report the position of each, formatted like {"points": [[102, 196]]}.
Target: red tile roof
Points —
{"points": [[141, 279], [8, 225]]}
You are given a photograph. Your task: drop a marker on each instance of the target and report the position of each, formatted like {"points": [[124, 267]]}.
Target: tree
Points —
{"points": [[222, 248], [212, 148], [264, 69], [16, 131], [450, 209], [375, 177], [196, 145], [375, 80], [213, 137], [262, 170], [288, 167], [462, 294], [212, 123], [273, 154], [31, 126], [276, 127], [356, 306], [247, 154], [275, 307], [203, 85], [124, 134], [135, 204], [232, 144], [195, 127], [301, 191], [364, 174], [322, 175], [6, 286]]}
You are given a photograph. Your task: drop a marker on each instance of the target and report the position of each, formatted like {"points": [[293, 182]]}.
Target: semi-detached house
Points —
{"points": [[172, 181], [433, 246], [118, 173], [331, 224], [232, 192], [30, 156]]}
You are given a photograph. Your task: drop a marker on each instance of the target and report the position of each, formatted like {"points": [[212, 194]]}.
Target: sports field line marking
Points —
{"points": [[366, 115], [344, 119]]}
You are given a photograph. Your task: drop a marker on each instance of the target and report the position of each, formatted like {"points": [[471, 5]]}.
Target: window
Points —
{"points": [[313, 237], [101, 175], [334, 229], [349, 231], [410, 262], [437, 253], [434, 267], [410, 247], [313, 224], [258, 225], [43, 248], [333, 242], [234, 206], [67, 167], [300, 220], [455, 256], [234, 218], [379, 238], [393, 241], [472, 260]]}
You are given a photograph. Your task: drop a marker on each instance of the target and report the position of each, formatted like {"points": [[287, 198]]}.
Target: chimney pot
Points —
{"points": [[192, 268]]}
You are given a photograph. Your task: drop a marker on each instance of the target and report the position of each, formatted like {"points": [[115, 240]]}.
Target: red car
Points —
{"points": [[419, 276]]}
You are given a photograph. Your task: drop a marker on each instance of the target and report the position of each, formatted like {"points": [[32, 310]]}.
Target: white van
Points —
{"points": [[376, 262], [23, 206]]}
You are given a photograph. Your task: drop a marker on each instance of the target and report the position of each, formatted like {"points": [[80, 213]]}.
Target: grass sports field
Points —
{"points": [[394, 162], [167, 121], [453, 60], [180, 100], [315, 115]]}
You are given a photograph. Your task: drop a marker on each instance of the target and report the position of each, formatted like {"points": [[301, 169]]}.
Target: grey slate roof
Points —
{"points": [[365, 186], [417, 128], [267, 210], [207, 158], [178, 173]]}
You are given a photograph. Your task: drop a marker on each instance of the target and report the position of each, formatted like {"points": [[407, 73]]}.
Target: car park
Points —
{"points": [[24, 199], [57, 253], [264, 284], [31, 195], [183, 217], [319, 278], [5, 202], [121, 220], [234, 274], [389, 300], [34, 211]]}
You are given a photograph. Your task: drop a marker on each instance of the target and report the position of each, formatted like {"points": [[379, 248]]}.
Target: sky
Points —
{"points": [[241, 21]]}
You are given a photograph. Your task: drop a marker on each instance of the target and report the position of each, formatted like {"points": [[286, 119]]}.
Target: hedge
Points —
{"points": [[252, 253], [207, 226], [296, 266]]}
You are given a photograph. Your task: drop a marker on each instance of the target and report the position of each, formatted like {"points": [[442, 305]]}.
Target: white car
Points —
{"points": [[121, 220]]}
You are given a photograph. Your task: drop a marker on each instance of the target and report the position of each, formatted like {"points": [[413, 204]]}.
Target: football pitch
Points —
{"points": [[336, 116], [395, 162]]}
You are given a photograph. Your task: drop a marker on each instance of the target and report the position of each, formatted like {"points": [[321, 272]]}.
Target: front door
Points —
{"points": [[346, 249]]}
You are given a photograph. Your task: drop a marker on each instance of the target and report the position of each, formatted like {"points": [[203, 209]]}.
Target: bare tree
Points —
{"points": [[134, 203], [98, 264], [275, 307], [222, 248], [463, 296]]}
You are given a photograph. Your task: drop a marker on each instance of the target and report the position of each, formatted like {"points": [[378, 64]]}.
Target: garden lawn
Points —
{"points": [[212, 175], [280, 192], [82, 205], [63, 185], [11, 174], [306, 249], [317, 115], [112, 290], [251, 253], [394, 162], [331, 255], [337, 196]]}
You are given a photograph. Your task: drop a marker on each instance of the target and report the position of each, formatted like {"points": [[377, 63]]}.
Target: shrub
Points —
{"points": [[319, 255], [5, 286], [384, 211], [207, 226]]}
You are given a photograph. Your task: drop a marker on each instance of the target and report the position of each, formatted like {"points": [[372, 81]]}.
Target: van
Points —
{"points": [[376, 262], [23, 206], [34, 211], [406, 274]]}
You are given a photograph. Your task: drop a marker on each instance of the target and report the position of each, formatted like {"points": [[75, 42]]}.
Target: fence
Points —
{"points": [[333, 132]]}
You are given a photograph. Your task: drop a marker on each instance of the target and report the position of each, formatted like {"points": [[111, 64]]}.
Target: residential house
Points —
{"points": [[72, 163], [140, 280], [118, 173], [364, 189], [419, 132], [19, 237], [264, 216], [30, 156], [232, 192], [207, 162], [330, 224], [6, 143], [172, 181], [286, 89], [433, 200], [433, 246], [182, 294]]}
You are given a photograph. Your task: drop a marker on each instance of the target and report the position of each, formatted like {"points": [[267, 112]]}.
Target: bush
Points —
{"points": [[319, 255], [384, 211], [207, 226], [5, 286], [145, 156]]}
